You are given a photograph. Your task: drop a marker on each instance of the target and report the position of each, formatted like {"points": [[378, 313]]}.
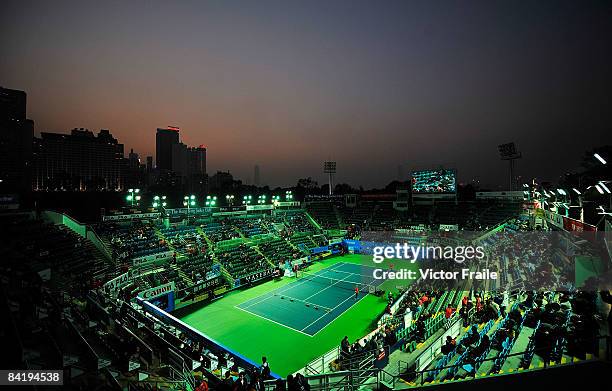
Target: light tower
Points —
{"points": [[330, 168], [508, 152]]}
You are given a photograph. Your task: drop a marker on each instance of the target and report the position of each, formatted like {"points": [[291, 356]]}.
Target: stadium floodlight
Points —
{"points": [[598, 157], [603, 186], [133, 196], [599, 189], [576, 191], [159, 201], [211, 200], [289, 195]]}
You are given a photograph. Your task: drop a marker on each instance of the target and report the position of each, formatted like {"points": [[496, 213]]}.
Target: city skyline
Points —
{"points": [[288, 85]]}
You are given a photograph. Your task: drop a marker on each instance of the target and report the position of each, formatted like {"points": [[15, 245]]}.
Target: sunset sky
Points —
{"points": [[286, 84]]}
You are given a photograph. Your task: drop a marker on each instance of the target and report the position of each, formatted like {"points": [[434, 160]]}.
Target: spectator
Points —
{"points": [[449, 346], [241, 383], [227, 382], [449, 311], [265, 368]]}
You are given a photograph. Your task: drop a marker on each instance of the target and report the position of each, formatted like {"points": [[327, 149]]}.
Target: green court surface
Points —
{"points": [[287, 350]]}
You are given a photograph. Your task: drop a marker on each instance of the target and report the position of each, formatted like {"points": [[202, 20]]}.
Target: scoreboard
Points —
{"points": [[439, 181]]}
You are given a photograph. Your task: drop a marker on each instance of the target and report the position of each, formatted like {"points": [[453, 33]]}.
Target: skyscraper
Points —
{"points": [[164, 139], [79, 161], [16, 132]]}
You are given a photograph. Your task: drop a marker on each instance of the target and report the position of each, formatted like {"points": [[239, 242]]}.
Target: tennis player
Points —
{"points": [[356, 292]]}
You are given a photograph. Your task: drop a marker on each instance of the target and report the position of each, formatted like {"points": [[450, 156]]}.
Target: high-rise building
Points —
{"points": [[149, 163], [16, 133], [79, 161], [188, 164], [164, 139]]}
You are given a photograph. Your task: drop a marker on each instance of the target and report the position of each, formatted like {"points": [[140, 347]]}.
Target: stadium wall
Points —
{"points": [[82, 230]]}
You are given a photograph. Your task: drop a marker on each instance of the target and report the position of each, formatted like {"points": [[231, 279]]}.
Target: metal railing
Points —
{"points": [[419, 377]]}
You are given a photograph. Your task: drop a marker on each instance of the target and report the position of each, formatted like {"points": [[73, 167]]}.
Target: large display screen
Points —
{"points": [[434, 181]]}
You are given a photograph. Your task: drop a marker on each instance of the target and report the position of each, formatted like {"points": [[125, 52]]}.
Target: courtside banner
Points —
{"points": [[159, 290]]}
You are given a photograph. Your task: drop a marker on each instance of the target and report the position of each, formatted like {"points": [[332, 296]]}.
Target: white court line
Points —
{"points": [[339, 315], [319, 318], [273, 321], [282, 289], [285, 288], [292, 285], [326, 288]]}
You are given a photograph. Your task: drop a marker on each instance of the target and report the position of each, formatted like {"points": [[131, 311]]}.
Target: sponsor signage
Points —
{"points": [[324, 197], [140, 261], [184, 211], [259, 207], [286, 204], [116, 283], [206, 285], [554, 218], [500, 195], [449, 227], [577, 225], [258, 276], [133, 216], [159, 290]]}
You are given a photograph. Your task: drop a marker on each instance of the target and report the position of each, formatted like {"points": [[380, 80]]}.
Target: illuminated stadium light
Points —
{"points": [[599, 189], [246, 200], [603, 186], [132, 196], [159, 201], [189, 201], [576, 191], [602, 160], [288, 195], [211, 201]]}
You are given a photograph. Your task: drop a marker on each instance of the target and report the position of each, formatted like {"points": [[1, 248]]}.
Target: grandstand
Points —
{"points": [[163, 303]]}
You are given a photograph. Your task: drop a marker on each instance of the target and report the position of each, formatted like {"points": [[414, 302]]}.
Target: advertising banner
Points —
{"points": [[140, 261], [133, 216], [159, 290], [574, 225]]}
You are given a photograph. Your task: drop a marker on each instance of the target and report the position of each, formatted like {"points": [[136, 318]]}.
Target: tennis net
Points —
{"points": [[342, 283]]}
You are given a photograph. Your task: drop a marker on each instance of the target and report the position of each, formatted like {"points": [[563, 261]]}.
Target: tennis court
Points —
{"points": [[313, 301]]}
